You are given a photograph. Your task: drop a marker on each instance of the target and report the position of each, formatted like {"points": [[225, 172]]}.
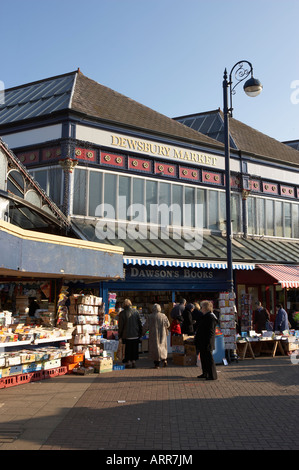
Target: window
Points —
{"points": [[189, 207], [287, 219], [124, 197], [213, 210], [269, 217], [80, 187], [278, 218], [295, 218], [151, 201], [95, 191], [15, 183]]}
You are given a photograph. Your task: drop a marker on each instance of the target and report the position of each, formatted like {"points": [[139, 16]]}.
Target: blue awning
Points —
{"points": [[177, 263]]}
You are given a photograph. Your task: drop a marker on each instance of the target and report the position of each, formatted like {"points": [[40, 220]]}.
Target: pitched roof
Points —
{"points": [[74, 91], [242, 136]]}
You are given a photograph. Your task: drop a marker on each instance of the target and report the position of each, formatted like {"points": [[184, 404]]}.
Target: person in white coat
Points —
{"points": [[157, 325]]}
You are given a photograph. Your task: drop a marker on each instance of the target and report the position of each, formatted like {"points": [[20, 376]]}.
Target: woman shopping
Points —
{"points": [[157, 324]]}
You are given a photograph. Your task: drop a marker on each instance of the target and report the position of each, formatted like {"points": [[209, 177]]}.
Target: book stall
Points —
{"points": [[253, 344]]}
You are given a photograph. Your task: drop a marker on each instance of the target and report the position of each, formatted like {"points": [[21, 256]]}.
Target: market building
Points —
{"points": [[126, 176], [40, 250]]}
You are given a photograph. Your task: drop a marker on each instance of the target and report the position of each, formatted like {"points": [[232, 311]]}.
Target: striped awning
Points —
{"points": [[180, 263], [286, 275]]}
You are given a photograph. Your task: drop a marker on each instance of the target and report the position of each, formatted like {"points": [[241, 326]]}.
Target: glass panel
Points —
{"points": [[41, 178], [164, 199], [138, 199], [177, 200], [15, 183], [295, 217], [251, 215], [110, 189], [79, 199], [151, 201], [201, 214], [95, 191], [270, 217], [287, 219], [189, 207], [236, 213], [55, 180], [222, 211], [278, 219], [213, 210], [260, 216], [124, 197]]}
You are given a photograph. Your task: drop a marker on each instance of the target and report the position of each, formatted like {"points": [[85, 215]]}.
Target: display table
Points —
{"points": [[261, 346], [244, 347]]}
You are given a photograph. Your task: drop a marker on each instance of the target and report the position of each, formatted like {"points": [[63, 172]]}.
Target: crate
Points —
{"points": [[10, 381], [30, 377], [55, 372], [75, 358]]}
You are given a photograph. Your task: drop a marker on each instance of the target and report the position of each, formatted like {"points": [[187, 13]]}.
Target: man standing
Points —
{"points": [[261, 316], [178, 309], [281, 320], [205, 341]]}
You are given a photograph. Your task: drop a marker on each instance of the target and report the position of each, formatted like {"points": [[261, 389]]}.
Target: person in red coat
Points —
{"points": [[175, 328]]}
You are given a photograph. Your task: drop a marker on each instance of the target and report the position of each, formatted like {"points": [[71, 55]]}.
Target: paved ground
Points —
{"points": [[252, 406]]}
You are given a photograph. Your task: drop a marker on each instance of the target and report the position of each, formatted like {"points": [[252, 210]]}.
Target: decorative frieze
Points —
{"points": [[139, 164], [85, 154], [164, 169], [189, 173], [112, 159], [211, 177], [28, 158]]}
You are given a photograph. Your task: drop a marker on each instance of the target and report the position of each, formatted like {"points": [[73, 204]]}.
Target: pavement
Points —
{"points": [[252, 406]]}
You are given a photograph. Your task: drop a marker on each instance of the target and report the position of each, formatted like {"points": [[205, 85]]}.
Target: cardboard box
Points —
{"points": [[52, 364], [183, 360], [101, 365], [190, 350], [144, 345], [179, 340]]}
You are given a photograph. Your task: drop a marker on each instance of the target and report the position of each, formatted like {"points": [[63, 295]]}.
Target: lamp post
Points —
{"points": [[252, 87]]}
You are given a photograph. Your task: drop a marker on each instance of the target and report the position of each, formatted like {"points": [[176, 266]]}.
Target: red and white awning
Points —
{"points": [[286, 275]]}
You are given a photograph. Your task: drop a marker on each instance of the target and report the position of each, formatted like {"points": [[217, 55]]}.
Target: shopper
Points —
{"points": [[178, 309], [33, 306], [281, 320], [157, 324], [196, 315], [175, 327], [205, 341], [188, 323], [261, 317], [130, 332]]}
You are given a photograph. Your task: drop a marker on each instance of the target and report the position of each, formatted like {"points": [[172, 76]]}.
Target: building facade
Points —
{"points": [[125, 175]]}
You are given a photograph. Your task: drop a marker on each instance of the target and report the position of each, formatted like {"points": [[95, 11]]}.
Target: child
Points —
{"points": [[175, 328]]}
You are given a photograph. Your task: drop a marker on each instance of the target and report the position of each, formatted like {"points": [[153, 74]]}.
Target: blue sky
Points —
{"points": [[167, 54]]}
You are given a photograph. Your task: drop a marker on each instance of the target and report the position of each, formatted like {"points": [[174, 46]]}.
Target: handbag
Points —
{"points": [[120, 353]]}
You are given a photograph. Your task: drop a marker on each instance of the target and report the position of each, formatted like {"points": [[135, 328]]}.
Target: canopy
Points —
{"points": [[286, 275]]}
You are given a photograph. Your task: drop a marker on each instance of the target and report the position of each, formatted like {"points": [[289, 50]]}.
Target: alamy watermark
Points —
{"points": [[295, 93], [160, 223]]}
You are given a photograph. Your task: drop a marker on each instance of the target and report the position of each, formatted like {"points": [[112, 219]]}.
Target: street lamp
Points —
{"points": [[252, 87]]}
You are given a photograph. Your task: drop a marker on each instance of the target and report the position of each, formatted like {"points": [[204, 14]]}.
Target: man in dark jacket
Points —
{"points": [[187, 326], [130, 331], [205, 341], [178, 309]]}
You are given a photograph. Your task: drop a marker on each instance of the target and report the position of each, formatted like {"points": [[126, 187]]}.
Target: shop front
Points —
{"points": [[271, 285], [149, 284]]}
